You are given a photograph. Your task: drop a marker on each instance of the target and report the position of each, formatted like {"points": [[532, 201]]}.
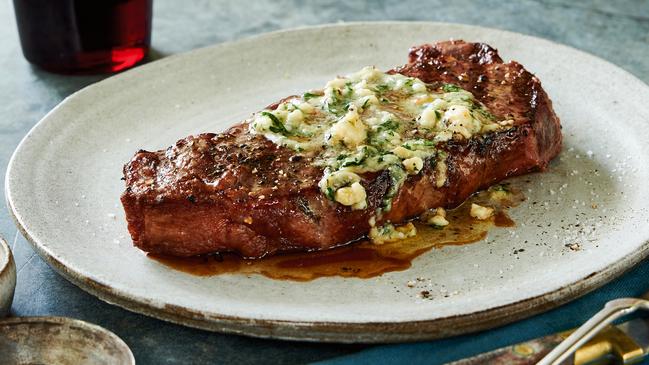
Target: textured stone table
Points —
{"points": [[616, 31]]}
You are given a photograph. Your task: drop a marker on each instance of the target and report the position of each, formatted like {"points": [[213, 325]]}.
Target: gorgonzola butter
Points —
{"points": [[436, 218], [371, 121], [389, 233], [481, 213]]}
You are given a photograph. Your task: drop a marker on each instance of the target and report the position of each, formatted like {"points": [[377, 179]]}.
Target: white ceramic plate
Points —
{"points": [[63, 186]]}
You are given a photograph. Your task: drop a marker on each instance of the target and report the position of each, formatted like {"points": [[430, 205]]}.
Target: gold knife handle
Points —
{"points": [[609, 343]]}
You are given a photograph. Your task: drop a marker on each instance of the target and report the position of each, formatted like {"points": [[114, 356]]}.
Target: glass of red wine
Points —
{"points": [[84, 36]]}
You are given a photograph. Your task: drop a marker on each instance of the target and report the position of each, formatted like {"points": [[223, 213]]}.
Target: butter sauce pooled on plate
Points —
{"points": [[363, 259]]}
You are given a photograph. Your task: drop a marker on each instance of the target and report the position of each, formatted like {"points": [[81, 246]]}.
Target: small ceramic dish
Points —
{"points": [[59, 340], [7, 278]]}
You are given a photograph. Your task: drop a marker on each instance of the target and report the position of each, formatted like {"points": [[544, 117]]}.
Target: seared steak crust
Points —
{"points": [[237, 191]]}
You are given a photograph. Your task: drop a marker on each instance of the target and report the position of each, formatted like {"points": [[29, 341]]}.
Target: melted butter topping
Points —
{"points": [[372, 121]]}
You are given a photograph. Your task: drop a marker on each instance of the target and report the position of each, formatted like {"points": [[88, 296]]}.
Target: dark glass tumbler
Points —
{"points": [[84, 36]]}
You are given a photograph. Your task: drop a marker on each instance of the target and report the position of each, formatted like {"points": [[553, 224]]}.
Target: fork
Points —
{"points": [[613, 310]]}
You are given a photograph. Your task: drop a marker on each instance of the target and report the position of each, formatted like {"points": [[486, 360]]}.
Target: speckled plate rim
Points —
{"points": [[72, 322], [368, 332], [325, 331]]}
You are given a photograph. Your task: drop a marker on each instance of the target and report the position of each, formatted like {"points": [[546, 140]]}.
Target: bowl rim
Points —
{"points": [[73, 323], [6, 257]]}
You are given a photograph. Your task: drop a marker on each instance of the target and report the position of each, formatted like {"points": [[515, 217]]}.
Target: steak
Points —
{"points": [[239, 192]]}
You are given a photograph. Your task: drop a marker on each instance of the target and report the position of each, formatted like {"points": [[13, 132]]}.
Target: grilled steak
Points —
{"points": [[239, 191]]}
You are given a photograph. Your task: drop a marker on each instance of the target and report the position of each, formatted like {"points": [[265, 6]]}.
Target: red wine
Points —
{"points": [[84, 36]]}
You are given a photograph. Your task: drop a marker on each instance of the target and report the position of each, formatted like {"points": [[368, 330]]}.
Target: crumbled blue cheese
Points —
{"points": [[481, 213], [413, 165], [353, 195], [372, 121], [436, 218], [389, 233], [438, 221], [349, 130], [440, 171], [500, 193]]}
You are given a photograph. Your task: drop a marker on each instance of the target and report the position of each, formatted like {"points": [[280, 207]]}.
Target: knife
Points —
{"points": [[626, 343]]}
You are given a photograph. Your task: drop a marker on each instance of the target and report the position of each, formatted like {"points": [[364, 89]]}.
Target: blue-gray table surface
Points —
{"points": [[615, 31]]}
